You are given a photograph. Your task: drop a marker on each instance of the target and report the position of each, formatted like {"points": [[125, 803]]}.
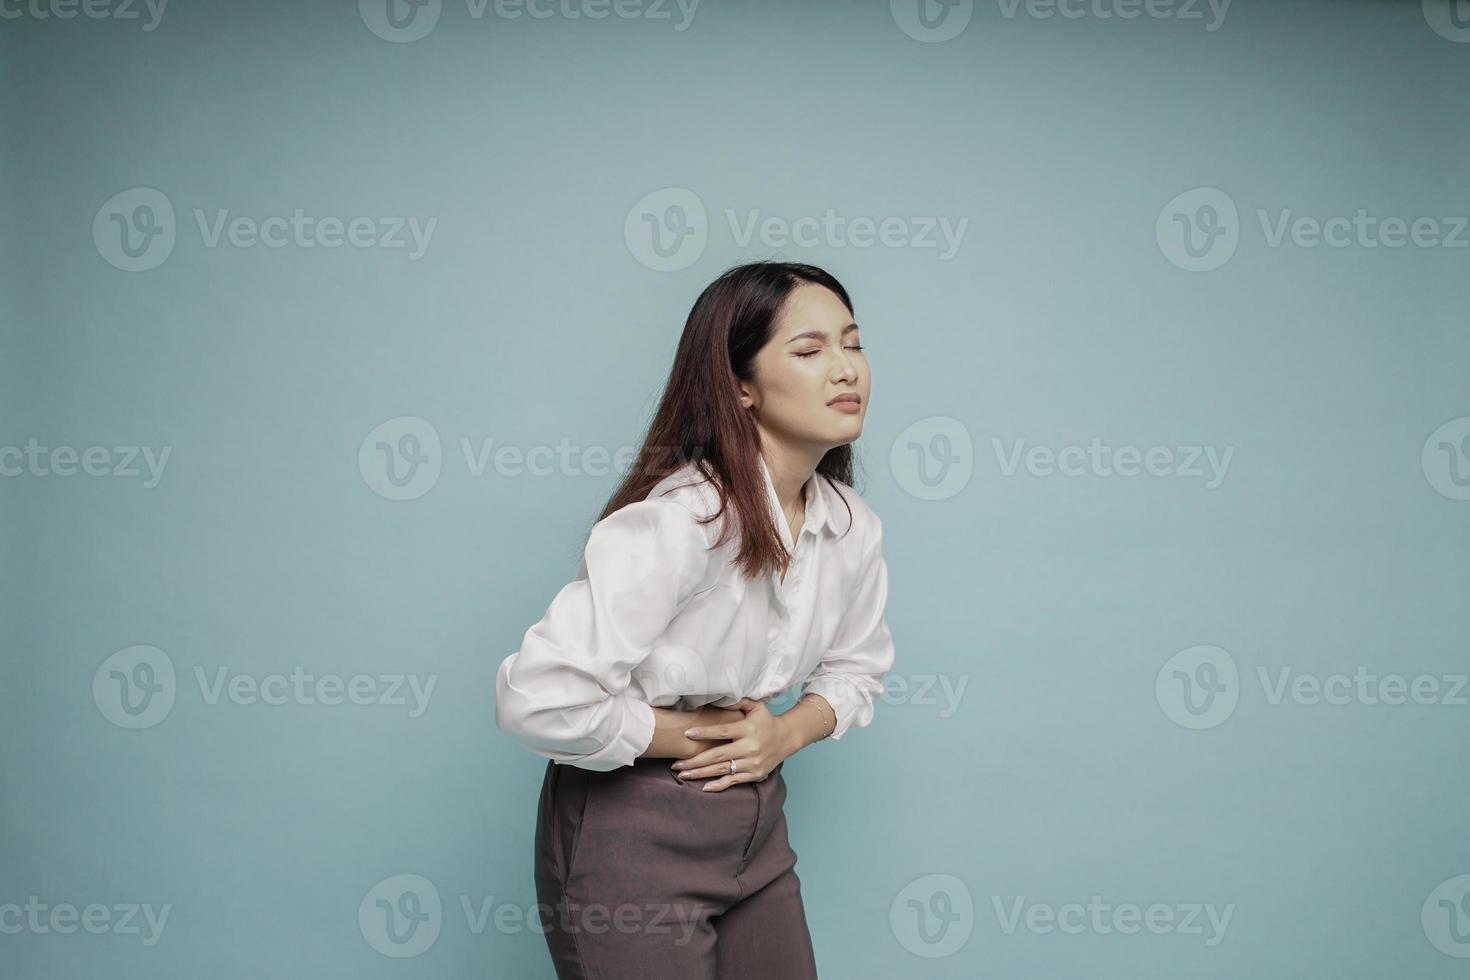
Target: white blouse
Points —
{"points": [[653, 619]]}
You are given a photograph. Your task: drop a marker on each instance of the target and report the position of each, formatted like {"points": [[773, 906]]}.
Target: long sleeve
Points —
{"points": [[564, 693], [850, 674]]}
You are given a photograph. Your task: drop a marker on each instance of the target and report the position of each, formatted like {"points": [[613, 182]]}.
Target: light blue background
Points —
{"points": [[1058, 775]]}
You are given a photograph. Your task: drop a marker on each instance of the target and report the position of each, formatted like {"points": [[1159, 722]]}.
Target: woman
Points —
{"points": [[661, 846]]}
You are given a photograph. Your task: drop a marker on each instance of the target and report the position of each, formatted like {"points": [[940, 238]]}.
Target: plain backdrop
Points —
{"points": [[1173, 485]]}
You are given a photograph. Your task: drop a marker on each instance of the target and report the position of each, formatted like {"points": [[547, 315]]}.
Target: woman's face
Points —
{"points": [[813, 357]]}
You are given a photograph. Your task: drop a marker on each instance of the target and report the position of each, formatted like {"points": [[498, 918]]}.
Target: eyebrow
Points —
{"points": [[821, 334]]}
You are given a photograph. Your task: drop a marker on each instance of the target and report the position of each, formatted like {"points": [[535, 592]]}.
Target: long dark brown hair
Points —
{"points": [[700, 419]]}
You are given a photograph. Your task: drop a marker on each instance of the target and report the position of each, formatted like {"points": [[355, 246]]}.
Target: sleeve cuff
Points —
{"points": [[849, 708], [635, 734]]}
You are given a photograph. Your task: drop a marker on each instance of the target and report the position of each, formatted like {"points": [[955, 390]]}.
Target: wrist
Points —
{"points": [[791, 738], [809, 720], [669, 741]]}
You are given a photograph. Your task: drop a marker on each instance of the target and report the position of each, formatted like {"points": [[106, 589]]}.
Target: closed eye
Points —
{"points": [[809, 353]]}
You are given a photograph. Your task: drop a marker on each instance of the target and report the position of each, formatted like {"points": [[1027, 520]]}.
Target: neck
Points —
{"points": [[790, 469]]}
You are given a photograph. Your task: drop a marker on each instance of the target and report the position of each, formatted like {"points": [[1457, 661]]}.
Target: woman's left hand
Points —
{"points": [[757, 744]]}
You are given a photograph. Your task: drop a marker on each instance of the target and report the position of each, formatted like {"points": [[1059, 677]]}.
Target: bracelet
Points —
{"points": [[811, 700]]}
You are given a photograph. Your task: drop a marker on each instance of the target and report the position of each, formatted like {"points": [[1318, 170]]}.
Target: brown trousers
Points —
{"points": [[641, 875]]}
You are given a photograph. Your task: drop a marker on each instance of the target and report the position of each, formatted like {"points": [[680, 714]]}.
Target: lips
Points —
{"points": [[846, 400]]}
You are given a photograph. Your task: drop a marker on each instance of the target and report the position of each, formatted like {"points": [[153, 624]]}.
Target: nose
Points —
{"points": [[846, 368]]}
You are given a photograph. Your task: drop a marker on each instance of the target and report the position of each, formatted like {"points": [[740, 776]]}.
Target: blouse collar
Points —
{"points": [[816, 493]]}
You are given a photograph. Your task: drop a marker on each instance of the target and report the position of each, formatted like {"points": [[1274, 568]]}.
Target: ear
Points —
{"points": [[747, 394]]}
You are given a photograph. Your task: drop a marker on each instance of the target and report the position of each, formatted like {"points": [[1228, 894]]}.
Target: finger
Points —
{"points": [[714, 731], [716, 757], [704, 772], [720, 768], [726, 781]]}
